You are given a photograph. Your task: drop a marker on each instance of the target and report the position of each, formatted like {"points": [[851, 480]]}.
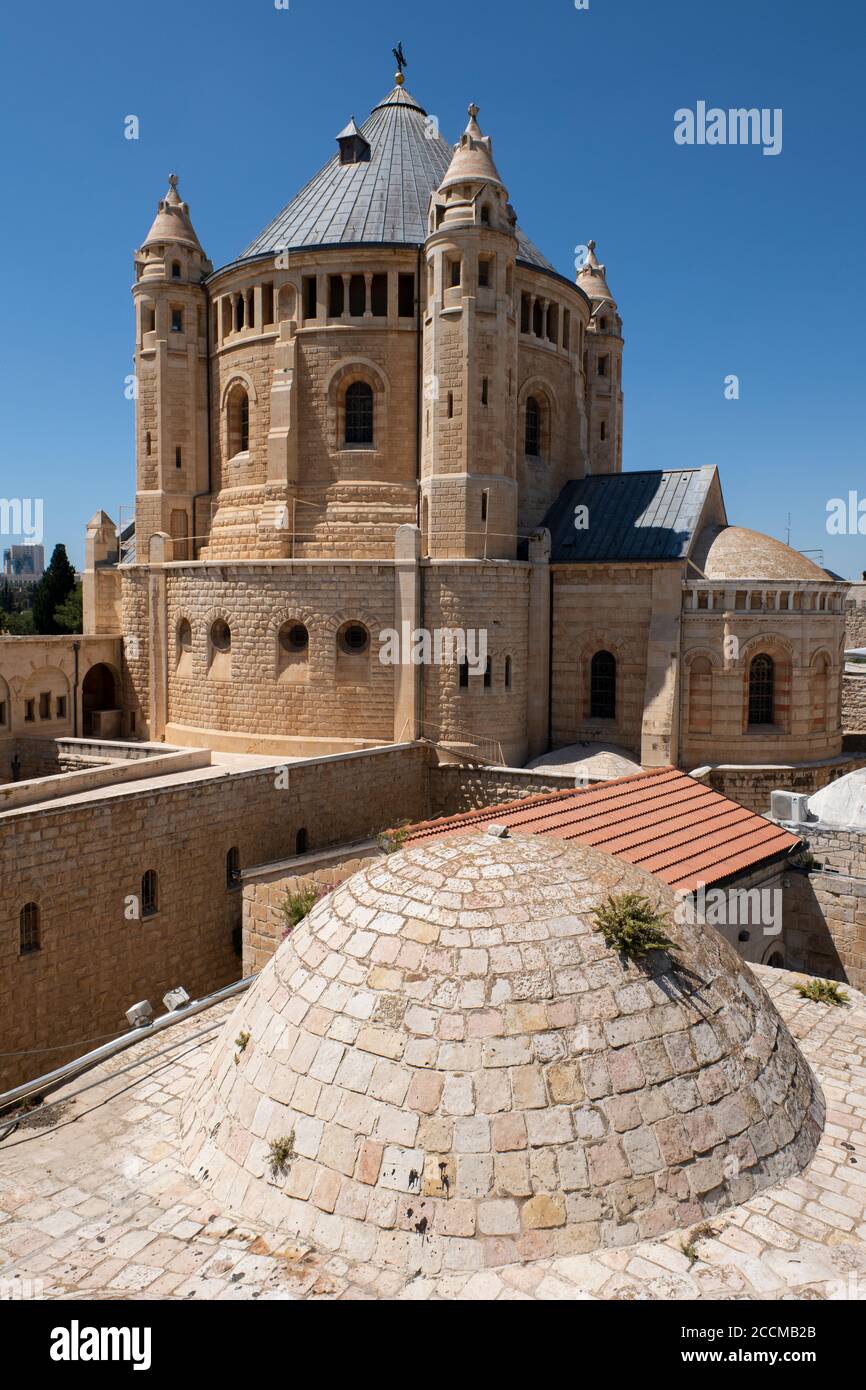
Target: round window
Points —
{"points": [[294, 637], [354, 638], [221, 636]]}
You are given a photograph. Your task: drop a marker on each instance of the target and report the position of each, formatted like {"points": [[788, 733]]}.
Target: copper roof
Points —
{"points": [[674, 827]]}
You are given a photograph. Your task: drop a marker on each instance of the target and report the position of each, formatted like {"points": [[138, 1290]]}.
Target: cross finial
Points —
{"points": [[173, 180], [473, 110], [399, 58]]}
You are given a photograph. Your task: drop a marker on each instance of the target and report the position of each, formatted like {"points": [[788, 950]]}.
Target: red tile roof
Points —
{"points": [[674, 827]]}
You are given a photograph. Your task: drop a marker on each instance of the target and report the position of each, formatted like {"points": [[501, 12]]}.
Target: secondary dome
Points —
{"points": [[735, 552], [445, 1067]]}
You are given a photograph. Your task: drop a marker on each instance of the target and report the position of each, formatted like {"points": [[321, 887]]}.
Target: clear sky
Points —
{"points": [[723, 260]]}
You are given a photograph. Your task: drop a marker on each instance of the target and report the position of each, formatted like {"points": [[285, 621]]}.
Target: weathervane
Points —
{"points": [[399, 58]]}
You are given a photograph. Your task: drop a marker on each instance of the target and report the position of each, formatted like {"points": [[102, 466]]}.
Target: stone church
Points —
{"points": [[391, 413]]}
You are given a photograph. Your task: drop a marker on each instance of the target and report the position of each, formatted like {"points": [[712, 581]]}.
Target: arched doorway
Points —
{"points": [[97, 694]]}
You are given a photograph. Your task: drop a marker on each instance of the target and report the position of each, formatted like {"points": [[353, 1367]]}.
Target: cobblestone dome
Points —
{"points": [[444, 1067]]}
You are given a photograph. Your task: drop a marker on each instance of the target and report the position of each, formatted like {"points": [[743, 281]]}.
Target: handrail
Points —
{"points": [[52, 1080]]}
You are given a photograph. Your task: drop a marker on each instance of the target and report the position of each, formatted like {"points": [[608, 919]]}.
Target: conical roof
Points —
{"points": [[472, 161], [172, 221], [383, 199], [444, 1066], [592, 277]]}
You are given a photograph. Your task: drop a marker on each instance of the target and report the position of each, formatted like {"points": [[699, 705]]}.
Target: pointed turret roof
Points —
{"points": [[172, 221], [472, 161], [591, 277], [382, 199]]}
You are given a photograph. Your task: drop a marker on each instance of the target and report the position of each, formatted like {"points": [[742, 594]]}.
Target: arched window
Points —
{"points": [[293, 651], [221, 636], [353, 639], [602, 686], [359, 413], [183, 663], [301, 841], [294, 637], [532, 432], [701, 696], [761, 689], [175, 270], [508, 673], [238, 410], [149, 893], [233, 868], [28, 929]]}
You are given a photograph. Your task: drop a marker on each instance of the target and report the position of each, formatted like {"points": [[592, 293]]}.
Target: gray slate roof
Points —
{"points": [[382, 200], [649, 515]]}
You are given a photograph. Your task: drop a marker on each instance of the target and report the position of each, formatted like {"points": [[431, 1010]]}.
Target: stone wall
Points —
{"points": [[854, 701], [324, 692], [37, 757], [82, 865], [600, 608], [751, 786], [825, 909], [855, 617], [265, 891], [455, 788], [492, 598]]}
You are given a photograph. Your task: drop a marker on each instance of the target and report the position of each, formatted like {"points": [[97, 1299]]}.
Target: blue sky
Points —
{"points": [[723, 260]]}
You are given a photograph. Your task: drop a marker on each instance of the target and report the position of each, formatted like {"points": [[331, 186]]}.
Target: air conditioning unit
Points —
{"points": [[791, 807]]}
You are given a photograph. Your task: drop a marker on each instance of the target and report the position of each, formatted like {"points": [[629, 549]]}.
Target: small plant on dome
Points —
{"points": [[281, 1153], [241, 1044], [823, 992], [389, 841], [296, 906], [631, 926], [806, 861], [689, 1244]]}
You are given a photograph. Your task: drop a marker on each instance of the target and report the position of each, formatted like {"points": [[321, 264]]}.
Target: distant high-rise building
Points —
{"points": [[24, 561]]}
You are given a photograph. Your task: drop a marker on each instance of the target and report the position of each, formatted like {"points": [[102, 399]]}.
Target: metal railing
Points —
{"points": [[53, 1080]]}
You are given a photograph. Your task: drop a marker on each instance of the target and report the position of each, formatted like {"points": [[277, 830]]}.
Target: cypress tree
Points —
{"points": [[53, 589]]}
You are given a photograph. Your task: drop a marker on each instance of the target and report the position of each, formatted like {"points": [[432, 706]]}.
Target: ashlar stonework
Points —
{"points": [[447, 1068]]}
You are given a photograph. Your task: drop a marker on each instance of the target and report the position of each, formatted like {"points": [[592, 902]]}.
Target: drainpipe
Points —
{"points": [[76, 647]]}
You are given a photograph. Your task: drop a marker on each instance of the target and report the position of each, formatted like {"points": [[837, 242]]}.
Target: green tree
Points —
{"points": [[53, 589], [7, 598], [18, 624], [68, 615]]}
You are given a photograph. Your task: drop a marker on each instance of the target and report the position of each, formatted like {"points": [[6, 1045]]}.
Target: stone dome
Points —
{"points": [[445, 1067], [735, 552]]}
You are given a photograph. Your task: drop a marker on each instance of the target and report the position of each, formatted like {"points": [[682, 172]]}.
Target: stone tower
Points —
{"points": [[469, 486], [171, 311], [603, 370]]}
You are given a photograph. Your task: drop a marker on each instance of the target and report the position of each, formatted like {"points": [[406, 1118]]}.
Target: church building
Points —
{"points": [[391, 414]]}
